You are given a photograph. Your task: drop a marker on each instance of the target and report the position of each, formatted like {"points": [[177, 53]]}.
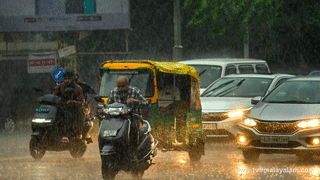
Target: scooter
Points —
{"points": [[114, 143], [46, 129]]}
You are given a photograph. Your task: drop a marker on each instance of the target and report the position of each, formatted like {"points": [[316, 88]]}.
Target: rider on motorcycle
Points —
{"points": [[73, 99], [126, 94]]}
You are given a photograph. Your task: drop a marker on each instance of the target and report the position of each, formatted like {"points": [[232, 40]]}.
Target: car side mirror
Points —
{"points": [[256, 99]]}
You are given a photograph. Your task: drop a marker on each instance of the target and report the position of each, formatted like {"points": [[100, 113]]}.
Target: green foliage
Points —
{"points": [[283, 31]]}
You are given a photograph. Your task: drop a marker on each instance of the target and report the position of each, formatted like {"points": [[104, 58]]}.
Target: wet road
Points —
{"points": [[222, 161]]}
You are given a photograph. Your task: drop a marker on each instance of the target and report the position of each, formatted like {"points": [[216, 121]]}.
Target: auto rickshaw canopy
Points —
{"points": [[166, 67]]}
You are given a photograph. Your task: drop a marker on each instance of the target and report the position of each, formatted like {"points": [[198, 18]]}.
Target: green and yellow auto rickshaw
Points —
{"points": [[172, 90]]}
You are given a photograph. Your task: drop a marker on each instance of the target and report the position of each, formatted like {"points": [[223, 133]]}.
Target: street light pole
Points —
{"points": [[177, 48]]}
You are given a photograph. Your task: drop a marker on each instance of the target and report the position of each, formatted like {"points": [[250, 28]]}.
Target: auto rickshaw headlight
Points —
{"points": [[249, 122], [309, 124]]}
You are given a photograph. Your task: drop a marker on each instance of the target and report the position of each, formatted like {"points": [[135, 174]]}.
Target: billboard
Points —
{"points": [[63, 15], [42, 62]]}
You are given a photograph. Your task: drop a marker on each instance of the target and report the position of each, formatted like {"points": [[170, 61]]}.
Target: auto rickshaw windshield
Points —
{"points": [[137, 78]]}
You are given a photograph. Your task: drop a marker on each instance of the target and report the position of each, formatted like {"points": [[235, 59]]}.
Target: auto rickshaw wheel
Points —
{"points": [[196, 150]]}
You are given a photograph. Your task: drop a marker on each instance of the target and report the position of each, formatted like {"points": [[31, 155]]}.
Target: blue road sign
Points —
{"points": [[57, 74]]}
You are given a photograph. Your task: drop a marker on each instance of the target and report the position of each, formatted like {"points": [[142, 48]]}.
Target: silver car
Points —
{"points": [[286, 121], [229, 98]]}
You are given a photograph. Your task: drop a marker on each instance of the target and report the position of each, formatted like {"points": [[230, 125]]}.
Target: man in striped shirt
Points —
{"points": [[126, 94]]}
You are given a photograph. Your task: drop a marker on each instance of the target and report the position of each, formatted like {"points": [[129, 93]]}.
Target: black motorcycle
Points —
{"points": [[53, 129], [114, 140]]}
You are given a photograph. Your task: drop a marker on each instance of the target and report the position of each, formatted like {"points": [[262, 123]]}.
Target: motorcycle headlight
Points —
{"points": [[107, 133], [309, 124], [41, 120], [115, 111], [249, 122]]}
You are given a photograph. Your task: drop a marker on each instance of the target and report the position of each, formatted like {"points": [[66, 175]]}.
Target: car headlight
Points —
{"points": [[41, 120], [249, 122], [238, 112], [309, 124]]}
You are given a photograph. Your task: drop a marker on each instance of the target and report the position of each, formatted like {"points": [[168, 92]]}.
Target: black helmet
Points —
{"points": [[69, 74]]}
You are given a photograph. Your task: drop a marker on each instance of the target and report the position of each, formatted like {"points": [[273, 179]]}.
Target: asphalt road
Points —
{"points": [[222, 161]]}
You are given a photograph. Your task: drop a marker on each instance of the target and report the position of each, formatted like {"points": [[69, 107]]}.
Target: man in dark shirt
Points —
{"points": [[126, 94], [74, 101]]}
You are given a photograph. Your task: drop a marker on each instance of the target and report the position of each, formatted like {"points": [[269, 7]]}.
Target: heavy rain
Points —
{"points": [[101, 40]]}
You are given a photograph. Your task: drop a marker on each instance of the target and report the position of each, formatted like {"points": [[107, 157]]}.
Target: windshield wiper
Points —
{"points": [[231, 88], [220, 86], [202, 72]]}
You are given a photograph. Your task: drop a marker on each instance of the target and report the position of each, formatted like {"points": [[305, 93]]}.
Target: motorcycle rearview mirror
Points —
{"points": [[98, 99]]}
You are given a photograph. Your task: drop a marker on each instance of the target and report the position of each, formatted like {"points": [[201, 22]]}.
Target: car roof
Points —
{"points": [[306, 78], [259, 75], [221, 61]]}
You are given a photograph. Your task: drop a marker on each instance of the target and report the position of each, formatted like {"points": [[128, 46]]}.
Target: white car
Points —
{"points": [[286, 121], [229, 98], [212, 69]]}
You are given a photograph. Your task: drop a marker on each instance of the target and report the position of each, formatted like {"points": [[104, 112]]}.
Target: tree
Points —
{"points": [[281, 31]]}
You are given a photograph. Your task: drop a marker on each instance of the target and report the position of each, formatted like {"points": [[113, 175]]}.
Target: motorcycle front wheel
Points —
{"points": [[107, 172], [37, 149]]}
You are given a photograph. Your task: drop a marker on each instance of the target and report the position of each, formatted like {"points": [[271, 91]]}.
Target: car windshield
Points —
{"points": [[304, 92], [238, 87], [140, 79], [208, 74]]}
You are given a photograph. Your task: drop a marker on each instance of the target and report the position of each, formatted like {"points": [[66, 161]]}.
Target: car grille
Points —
{"points": [[291, 144], [214, 116], [276, 127]]}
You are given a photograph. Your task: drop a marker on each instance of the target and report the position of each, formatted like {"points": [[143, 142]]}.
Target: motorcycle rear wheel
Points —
{"points": [[137, 174], [37, 149], [78, 149]]}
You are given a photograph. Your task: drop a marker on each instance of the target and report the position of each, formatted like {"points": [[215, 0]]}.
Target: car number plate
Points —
{"points": [[209, 126], [274, 139]]}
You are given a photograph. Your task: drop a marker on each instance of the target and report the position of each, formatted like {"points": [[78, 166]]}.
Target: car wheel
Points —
{"points": [[304, 156], [9, 126], [251, 154]]}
